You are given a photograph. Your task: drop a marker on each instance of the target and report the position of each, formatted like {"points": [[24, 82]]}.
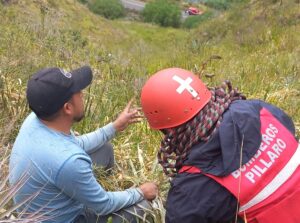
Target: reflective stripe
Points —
{"points": [[280, 179]]}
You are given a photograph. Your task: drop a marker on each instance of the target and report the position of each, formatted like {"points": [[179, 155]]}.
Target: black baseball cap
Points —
{"points": [[50, 88]]}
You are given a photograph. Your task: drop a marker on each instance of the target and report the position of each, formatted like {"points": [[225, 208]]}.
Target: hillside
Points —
{"points": [[256, 45], [44, 33], [259, 44], [55, 24]]}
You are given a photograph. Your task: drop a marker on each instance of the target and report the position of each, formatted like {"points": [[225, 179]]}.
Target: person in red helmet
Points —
{"points": [[229, 159]]}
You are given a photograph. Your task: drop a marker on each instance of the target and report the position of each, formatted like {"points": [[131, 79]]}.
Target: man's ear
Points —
{"points": [[68, 108]]}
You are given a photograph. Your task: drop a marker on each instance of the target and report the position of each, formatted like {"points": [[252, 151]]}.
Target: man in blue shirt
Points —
{"points": [[59, 181]]}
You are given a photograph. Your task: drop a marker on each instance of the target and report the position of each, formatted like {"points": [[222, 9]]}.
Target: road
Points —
{"points": [[184, 15], [133, 4], [139, 6]]}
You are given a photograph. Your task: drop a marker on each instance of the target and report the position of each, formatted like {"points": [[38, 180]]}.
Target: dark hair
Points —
{"points": [[55, 115], [48, 117]]}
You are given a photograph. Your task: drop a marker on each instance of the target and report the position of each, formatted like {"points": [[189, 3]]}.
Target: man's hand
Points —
{"points": [[127, 117], [150, 190]]}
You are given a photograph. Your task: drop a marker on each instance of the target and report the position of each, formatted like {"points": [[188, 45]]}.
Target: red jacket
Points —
{"points": [[268, 186], [250, 163]]}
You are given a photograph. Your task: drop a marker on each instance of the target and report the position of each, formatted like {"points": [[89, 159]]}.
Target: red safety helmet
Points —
{"points": [[173, 96]]}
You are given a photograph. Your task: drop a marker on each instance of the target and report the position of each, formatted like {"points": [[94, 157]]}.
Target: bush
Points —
{"points": [[83, 1], [221, 4], [218, 4], [162, 12], [110, 9], [194, 21]]}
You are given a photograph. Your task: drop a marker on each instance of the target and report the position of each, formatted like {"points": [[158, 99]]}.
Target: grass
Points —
{"points": [[258, 44]]}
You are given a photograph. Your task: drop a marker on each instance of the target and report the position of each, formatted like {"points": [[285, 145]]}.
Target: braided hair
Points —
{"points": [[178, 140]]}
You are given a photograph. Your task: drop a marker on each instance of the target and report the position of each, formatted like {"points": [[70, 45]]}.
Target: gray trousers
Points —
{"points": [[104, 157]]}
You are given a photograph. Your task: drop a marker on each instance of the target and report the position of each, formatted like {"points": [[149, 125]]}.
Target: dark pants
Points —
{"points": [[133, 214], [104, 157]]}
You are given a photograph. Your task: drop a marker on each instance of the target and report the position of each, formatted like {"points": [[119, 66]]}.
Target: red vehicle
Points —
{"points": [[193, 11]]}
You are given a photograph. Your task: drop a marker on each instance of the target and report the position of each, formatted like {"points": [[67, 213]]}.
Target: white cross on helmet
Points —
{"points": [[185, 85]]}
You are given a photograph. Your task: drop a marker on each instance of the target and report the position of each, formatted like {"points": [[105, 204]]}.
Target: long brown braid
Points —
{"points": [[179, 140]]}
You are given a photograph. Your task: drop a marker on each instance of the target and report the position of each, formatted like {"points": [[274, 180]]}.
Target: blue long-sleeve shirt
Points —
{"points": [[59, 180]]}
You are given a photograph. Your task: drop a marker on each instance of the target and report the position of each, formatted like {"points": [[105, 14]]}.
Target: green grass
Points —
{"points": [[259, 44], [195, 21]]}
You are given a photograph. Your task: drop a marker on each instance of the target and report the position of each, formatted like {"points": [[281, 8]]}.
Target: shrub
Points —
{"points": [[83, 1], [110, 9], [194, 21], [221, 4], [218, 4], [162, 12]]}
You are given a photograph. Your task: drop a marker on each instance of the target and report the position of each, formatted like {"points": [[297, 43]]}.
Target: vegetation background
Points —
{"points": [[255, 44]]}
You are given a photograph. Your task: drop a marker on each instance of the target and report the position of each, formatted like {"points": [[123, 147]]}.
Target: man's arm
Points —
{"points": [[96, 139], [76, 179]]}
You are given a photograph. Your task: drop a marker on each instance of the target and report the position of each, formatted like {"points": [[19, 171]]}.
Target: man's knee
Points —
{"points": [[140, 212], [103, 156]]}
